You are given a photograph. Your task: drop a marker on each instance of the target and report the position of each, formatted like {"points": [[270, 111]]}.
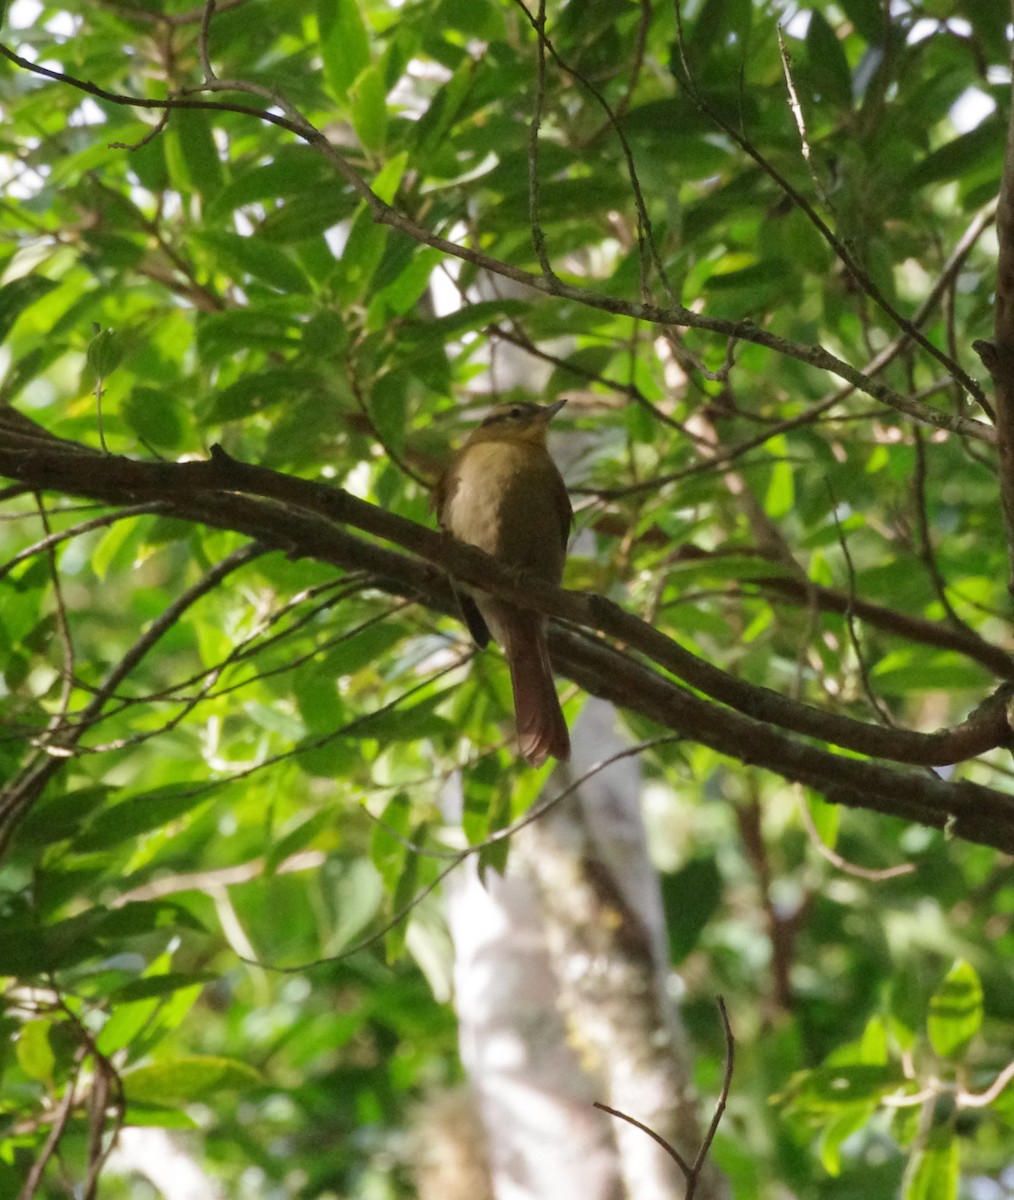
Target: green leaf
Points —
{"points": [[160, 985], [368, 99], [141, 917], [344, 43], [388, 178], [722, 26], [124, 1024], [828, 65], [309, 214], [493, 857], [361, 256], [112, 543], [837, 1087], [260, 391], [357, 894], [935, 1172], [826, 818], [978, 148], [319, 701], [781, 493], [839, 1130], [692, 895], [405, 892], [388, 405], [138, 814], [191, 152], [184, 1080], [727, 566], [387, 841], [27, 948], [479, 788], [405, 723], [34, 1052], [409, 285], [156, 1116], [257, 258], [873, 1046], [955, 1011], [329, 757], [868, 18], [155, 416], [19, 295], [105, 353], [223, 333], [472, 316], [325, 335], [292, 172], [169, 1016], [297, 839], [443, 111], [911, 670], [61, 816], [362, 648]]}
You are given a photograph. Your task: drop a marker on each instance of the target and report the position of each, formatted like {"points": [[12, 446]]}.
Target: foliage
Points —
{"points": [[242, 750]]}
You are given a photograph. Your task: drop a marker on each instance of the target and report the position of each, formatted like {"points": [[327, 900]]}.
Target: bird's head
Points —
{"points": [[517, 422]]}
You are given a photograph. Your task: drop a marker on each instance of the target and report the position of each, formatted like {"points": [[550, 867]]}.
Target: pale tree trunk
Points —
{"points": [[562, 996]]}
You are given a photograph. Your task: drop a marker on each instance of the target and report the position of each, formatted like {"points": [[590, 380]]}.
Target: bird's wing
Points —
{"points": [[563, 507], [443, 492]]}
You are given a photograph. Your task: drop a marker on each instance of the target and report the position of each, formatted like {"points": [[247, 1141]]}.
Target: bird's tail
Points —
{"points": [[542, 730]]}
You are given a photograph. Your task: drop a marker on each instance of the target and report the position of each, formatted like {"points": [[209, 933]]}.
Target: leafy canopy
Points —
{"points": [[753, 249]]}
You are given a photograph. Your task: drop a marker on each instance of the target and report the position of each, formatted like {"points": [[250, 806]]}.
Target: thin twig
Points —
{"points": [[871, 696], [60, 1119], [202, 42], [691, 1174], [685, 1169], [534, 181], [67, 670], [48, 544], [986, 1098], [723, 1095], [645, 233], [395, 456], [518, 338], [797, 115], [927, 552], [873, 874]]}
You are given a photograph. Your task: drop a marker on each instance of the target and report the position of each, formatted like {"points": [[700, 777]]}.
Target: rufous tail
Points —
{"points": [[542, 730]]}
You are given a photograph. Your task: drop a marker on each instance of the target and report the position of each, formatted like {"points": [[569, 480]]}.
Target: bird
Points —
{"points": [[503, 493]]}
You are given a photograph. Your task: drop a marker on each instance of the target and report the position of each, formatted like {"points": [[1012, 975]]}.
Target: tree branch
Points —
{"points": [[301, 518]]}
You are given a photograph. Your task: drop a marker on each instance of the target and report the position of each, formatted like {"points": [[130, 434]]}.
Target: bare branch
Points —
{"points": [[872, 874], [692, 1174]]}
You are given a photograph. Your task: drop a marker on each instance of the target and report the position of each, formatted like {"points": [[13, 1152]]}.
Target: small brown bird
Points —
{"points": [[503, 493]]}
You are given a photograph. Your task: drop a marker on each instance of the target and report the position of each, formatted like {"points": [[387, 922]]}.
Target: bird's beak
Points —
{"points": [[550, 411]]}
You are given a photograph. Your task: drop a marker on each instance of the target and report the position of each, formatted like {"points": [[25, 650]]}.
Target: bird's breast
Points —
{"points": [[501, 497]]}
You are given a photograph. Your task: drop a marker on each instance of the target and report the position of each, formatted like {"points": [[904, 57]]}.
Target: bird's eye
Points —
{"points": [[516, 413]]}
